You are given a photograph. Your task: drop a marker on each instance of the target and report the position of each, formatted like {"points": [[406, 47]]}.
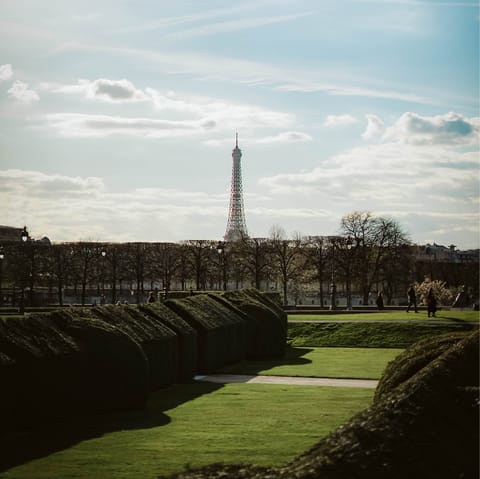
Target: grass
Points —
{"points": [[441, 315], [361, 363], [201, 423], [377, 334], [195, 425]]}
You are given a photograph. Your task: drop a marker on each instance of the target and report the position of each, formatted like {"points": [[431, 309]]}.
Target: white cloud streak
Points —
{"points": [[339, 120], [6, 72], [20, 92], [76, 125], [181, 114], [236, 24]]}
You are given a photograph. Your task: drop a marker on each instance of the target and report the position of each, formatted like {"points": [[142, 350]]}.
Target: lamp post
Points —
{"points": [[2, 256], [349, 259], [25, 237], [104, 254], [333, 287], [221, 252]]}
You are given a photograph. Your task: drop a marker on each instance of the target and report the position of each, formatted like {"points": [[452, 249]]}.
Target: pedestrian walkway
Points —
{"points": [[291, 380]]}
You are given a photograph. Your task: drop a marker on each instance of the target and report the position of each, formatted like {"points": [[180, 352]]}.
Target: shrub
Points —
{"points": [[267, 333], [158, 342], [186, 338], [221, 334], [57, 365], [113, 370]]}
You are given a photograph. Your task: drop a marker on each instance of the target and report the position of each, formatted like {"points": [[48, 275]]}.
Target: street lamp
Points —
{"points": [[333, 288], [349, 293], [221, 252], [25, 237], [2, 256], [103, 254]]}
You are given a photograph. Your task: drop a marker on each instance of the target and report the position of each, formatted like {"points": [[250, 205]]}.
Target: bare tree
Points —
{"points": [[287, 260], [375, 238], [252, 253], [199, 254]]}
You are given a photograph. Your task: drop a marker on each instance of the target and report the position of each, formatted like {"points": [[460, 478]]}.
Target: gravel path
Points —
{"points": [[299, 381]]}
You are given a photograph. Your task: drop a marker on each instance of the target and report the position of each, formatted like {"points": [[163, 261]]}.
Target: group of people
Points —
{"points": [[429, 300]]}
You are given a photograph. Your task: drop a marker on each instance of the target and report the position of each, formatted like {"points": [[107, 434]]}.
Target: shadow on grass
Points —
{"points": [[454, 319], [293, 356], [45, 438]]}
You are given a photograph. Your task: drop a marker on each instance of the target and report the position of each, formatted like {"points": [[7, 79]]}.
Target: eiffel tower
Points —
{"points": [[236, 224]]}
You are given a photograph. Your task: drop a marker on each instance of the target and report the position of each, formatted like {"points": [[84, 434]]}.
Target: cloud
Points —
{"points": [[285, 137], [78, 208], [431, 185], [339, 120], [6, 72], [116, 91], [181, 114], [375, 127], [76, 125], [450, 128], [26, 182], [235, 24], [19, 91]]}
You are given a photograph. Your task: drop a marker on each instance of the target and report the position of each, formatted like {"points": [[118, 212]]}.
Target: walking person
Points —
{"points": [[151, 297], [431, 303], [379, 300], [412, 299]]}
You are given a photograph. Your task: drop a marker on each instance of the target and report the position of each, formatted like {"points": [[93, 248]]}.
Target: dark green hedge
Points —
{"points": [[268, 330], [76, 360], [158, 342], [60, 365], [221, 333], [186, 338]]}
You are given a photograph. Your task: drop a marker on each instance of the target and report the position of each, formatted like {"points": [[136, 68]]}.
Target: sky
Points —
{"points": [[118, 117]]}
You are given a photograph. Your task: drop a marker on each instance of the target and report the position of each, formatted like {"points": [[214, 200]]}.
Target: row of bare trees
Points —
{"points": [[368, 251]]}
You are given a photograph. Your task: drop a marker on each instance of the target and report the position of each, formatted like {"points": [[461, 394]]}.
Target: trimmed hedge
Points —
{"points": [[186, 338], [221, 334], [59, 365], [158, 342], [77, 360], [268, 330]]}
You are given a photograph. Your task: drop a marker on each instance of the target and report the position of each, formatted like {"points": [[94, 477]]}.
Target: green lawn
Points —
{"points": [[198, 424], [361, 363], [201, 423], [447, 315]]}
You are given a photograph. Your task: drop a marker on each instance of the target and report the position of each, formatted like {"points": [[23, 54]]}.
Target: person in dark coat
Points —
{"points": [[151, 297], [431, 303], [379, 300], [412, 299]]}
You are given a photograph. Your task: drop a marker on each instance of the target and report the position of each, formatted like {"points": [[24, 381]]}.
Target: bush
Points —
{"points": [[55, 365], [112, 368], [221, 334], [413, 360], [268, 330], [159, 343], [186, 338]]}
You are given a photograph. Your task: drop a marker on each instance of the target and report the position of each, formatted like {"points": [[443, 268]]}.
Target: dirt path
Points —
{"points": [[293, 380]]}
